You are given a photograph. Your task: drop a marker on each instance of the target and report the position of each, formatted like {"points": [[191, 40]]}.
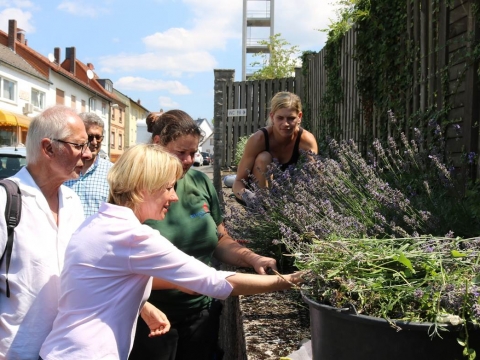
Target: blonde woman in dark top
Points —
{"points": [[282, 139]]}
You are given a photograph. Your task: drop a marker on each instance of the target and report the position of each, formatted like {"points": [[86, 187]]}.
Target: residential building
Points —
{"points": [[23, 92], [138, 113], [71, 83], [207, 142]]}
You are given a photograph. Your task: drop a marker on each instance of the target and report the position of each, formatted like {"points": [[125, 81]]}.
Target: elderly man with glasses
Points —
{"points": [[92, 186], [57, 148]]}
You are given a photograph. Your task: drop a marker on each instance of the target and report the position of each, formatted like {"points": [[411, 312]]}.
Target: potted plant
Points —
{"points": [[380, 286]]}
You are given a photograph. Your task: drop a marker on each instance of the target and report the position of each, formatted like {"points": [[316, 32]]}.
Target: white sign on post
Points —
{"points": [[236, 112]]}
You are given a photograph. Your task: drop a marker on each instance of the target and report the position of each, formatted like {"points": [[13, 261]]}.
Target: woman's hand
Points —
{"points": [[262, 264], [156, 320]]}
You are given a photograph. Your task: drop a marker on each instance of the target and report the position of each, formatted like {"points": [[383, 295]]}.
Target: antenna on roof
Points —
{"points": [[51, 57], [90, 74]]}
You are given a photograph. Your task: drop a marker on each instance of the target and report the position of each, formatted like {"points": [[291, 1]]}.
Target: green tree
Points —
{"points": [[280, 62]]}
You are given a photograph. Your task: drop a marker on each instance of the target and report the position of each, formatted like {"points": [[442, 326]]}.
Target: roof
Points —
{"points": [[43, 65], [9, 57], [200, 122]]}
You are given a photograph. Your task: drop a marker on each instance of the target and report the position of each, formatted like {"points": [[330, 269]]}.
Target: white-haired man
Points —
{"points": [[57, 148]]}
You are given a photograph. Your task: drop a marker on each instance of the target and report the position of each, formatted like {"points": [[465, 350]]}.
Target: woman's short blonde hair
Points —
{"points": [[142, 168], [282, 100]]}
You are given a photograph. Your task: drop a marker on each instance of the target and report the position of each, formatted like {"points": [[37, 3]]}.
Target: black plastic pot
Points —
{"points": [[340, 334]]}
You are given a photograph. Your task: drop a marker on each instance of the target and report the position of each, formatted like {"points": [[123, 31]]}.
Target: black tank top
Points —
{"points": [[295, 153]]}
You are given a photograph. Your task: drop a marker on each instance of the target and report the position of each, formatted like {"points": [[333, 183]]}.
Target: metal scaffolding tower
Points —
{"points": [[258, 18]]}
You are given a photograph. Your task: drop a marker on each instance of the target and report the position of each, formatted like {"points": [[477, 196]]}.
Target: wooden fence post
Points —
{"points": [[232, 338], [222, 79]]}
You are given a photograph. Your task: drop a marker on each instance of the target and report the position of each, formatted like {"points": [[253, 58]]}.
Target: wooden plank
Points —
{"points": [[432, 69], [351, 86], [249, 107], [408, 102], [241, 120], [459, 13], [262, 104], [270, 91], [256, 104], [229, 126], [423, 52], [459, 27], [471, 114], [416, 39]]}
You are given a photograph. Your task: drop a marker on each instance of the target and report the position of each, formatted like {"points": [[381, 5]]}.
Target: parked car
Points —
{"points": [[12, 159], [207, 159], [198, 159]]}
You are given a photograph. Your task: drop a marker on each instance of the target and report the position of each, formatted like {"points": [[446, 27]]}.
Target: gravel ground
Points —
{"points": [[274, 324]]}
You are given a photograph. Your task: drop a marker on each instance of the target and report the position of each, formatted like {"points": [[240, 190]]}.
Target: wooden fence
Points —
{"points": [[441, 38]]}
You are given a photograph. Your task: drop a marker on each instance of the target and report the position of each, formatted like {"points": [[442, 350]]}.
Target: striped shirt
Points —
{"points": [[92, 187]]}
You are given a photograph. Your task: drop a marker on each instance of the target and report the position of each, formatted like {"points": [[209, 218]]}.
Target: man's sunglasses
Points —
{"points": [[97, 137]]}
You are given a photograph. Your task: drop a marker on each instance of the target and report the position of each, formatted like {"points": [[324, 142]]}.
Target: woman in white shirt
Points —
{"points": [[112, 257]]}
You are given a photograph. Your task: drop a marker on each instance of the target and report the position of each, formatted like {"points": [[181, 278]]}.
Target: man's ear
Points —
{"points": [[47, 147]]}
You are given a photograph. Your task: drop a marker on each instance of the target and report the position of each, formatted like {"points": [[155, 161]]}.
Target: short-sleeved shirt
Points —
{"points": [[92, 187], [191, 225], [38, 254]]}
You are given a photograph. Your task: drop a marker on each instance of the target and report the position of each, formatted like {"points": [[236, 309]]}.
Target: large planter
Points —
{"points": [[341, 334]]}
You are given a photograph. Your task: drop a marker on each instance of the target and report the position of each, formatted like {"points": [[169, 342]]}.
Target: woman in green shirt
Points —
{"points": [[195, 225]]}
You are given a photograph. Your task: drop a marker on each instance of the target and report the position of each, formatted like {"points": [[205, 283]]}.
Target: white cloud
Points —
{"points": [[81, 9], [184, 50], [215, 23], [142, 84], [183, 62], [24, 19], [301, 30], [23, 4], [166, 102]]}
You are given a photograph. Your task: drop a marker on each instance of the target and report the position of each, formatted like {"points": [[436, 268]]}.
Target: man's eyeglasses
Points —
{"points": [[96, 137], [81, 147]]}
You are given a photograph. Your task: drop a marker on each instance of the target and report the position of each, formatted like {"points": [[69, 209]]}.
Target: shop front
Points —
{"points": [[13, 128]]}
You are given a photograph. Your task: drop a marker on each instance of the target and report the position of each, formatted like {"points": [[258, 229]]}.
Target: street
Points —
{"points": [[207, 169]]}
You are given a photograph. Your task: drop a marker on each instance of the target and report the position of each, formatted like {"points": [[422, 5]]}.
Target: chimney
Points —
{"points": [[70, 54], [139, 102], [90, 66], [56, 55], [21, 36], [12, 34]]}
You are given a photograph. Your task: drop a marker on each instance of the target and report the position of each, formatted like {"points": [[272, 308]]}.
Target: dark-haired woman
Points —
{"points": [[195, 225]]}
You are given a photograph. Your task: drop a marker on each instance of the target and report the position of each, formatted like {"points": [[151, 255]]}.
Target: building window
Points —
{"points": [[211, 141], [104, 108], [120, 141], [120, 116], [38, 98], [73, 102], [112, 137], [60, 97], [83, 105], [8, 89], [93, 105]]}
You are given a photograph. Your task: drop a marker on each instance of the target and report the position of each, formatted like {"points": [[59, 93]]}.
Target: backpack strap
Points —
{"points": [[13, 211]]}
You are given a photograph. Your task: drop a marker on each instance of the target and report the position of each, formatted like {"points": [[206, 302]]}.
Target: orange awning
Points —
{"points": [[8, 118]]}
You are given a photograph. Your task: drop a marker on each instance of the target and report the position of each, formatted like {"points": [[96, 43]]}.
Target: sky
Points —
{"points": [[162, 52]]}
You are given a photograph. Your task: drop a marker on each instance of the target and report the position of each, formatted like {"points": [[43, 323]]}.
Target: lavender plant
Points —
{"points": [[419, 170], [360, 226], [341, 195]]}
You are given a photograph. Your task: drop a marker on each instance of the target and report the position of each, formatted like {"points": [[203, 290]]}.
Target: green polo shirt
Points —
{"points": [[191, 225]]}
